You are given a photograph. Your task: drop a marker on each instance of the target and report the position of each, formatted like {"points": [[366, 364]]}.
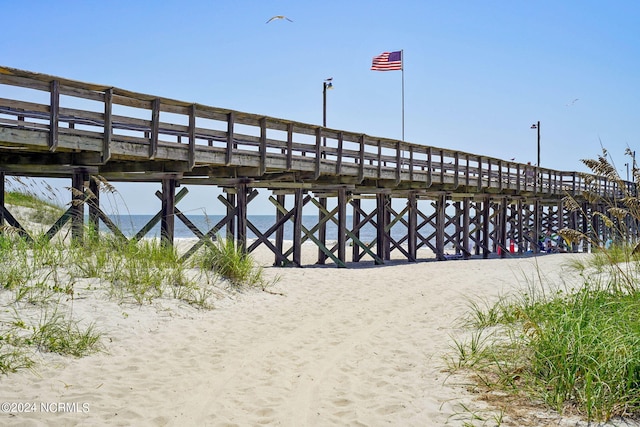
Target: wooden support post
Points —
{"points": [[231, 225], [466, 219], [241, 193], [355, 256], [504, 205], [342, 224], [381, 239], [322, 231], [94, 205], [280, 198], [522, 242], [486, 220], [387, 226], [297, 228], [536, 225], [440, 226], [412, 204], [167, 222], [77, 204], [457, 222]]}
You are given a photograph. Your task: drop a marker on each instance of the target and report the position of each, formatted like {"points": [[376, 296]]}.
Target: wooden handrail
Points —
{"points": [[201, 129]]}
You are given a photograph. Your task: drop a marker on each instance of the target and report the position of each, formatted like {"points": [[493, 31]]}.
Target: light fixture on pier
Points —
{"points": [[537, 126], [326, 85]]}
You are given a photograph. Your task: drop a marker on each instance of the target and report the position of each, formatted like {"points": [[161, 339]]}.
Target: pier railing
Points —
{"points": [[104, 125]]}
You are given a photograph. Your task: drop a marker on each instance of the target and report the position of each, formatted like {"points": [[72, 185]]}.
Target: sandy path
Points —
{"points": [[358, 346]]}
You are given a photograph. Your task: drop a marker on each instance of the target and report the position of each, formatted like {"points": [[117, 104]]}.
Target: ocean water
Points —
{"points": [[131, 224]]}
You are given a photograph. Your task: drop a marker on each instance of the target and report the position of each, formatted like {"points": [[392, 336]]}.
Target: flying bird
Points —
{"points": [[273, 18], [571, 103]]}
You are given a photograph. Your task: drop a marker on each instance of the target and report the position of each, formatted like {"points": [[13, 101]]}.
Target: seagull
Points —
{"points": [[273, 18]]}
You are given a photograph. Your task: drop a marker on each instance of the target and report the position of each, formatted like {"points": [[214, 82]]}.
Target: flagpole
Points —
{"points": [[402, 62]]}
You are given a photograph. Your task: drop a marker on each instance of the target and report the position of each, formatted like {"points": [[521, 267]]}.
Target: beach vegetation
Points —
{"points": [[232, 263], [56, 333], [40, 278], [572, 347]]}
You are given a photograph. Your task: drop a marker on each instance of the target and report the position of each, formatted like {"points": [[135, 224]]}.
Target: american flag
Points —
{"points": [[387, 61]]}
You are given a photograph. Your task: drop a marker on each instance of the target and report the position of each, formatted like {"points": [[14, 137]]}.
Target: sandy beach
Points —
{"points": [[362, 346]]}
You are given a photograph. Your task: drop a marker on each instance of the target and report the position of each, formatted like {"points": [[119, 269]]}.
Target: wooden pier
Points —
{"points": [[59, 128]]}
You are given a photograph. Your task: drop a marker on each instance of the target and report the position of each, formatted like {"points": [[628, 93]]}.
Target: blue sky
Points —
{"points": [[477, 73]]}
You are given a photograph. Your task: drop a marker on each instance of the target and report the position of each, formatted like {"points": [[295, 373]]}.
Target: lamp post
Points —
{"points": [[627, 166], [326, 84], [537, 126]]}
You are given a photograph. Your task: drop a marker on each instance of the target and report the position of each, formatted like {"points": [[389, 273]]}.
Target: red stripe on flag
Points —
{"points": [[383, 63]]}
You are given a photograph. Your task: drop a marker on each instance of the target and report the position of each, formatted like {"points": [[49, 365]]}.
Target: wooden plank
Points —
{"points": [[158, 217], [57, 226], [108, 125], [54, 115]]}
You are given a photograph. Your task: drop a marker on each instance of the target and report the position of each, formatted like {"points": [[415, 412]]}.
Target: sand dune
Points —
{"points": [[362, 346]]}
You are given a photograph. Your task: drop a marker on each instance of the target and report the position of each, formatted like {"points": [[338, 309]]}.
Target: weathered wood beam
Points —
{"points": [[228, 159], [167, 224], [108, 125], [155, 126], [54, 115], [192, 136]]}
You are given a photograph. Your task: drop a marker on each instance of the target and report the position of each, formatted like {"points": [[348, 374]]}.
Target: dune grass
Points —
{"points": [[575, 349], [37, 276]]}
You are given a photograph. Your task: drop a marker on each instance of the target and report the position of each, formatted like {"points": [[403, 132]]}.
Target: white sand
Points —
{"points": [[358, 346]]}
